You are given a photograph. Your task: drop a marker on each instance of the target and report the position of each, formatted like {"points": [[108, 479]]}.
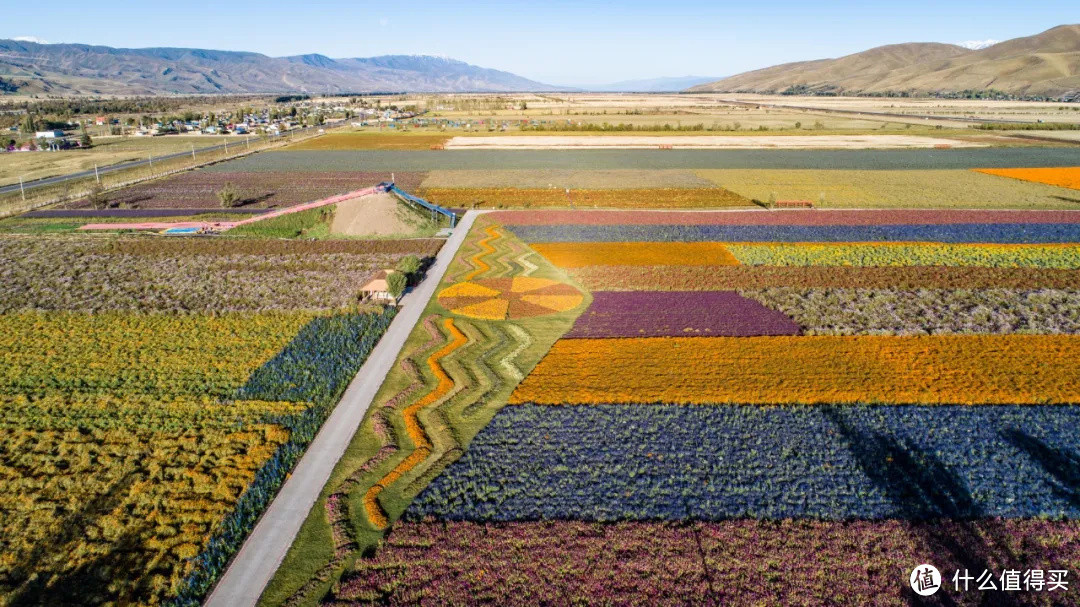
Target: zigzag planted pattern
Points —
{"points": [[478, 260], [528, 266], [337, 504], [463, 262], [525, 340], [415, 431], [494, 382], [509, 248]]}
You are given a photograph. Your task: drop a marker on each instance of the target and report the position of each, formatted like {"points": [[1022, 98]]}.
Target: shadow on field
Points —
{"points": [[945, 517], [250, 200], [1062, 464], [89, 582]]}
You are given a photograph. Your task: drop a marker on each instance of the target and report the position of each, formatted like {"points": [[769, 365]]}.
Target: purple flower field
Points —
{"points": [[737, 562], [678, 314]]}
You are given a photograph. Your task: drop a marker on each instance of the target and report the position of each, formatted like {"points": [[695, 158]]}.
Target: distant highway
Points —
{"points": [[37, 183]]}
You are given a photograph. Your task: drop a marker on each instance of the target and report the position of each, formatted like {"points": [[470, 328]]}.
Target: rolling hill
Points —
{"points": [[1047, 64], [101, 70]]}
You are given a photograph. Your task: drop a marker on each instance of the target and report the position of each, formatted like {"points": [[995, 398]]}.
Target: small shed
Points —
{"points": [[378, 288]]}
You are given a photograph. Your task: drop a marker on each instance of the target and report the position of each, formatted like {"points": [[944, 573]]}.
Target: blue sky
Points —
{"points": [[581, 42]]}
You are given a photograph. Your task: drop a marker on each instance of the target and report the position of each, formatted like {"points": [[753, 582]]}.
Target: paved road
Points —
{"points": [[37, 183], [265, 548]]}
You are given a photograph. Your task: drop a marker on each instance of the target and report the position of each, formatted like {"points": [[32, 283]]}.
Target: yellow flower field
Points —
{"points": [[582, 254], [167, 355], [967, 369], [634, 198], [128, 483], [864, 254]]}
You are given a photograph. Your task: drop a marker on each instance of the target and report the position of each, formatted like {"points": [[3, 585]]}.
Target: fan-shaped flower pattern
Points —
{"points": [[510, 298]]}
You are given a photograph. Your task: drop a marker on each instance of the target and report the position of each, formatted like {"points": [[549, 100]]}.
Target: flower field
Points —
{"points": [[750, 407], [582, 254], [926, 311], [962, 369], [628, 198], [672, 462], [788, 217], [159, 355], [932, 189], [191, 275], [710, 278], [510, 298], [1066, 177], [198, 189], [1015, 233], [106, 499], [152, 402], [678, 314], [737, 562], [1063, 256], [560, 179]]}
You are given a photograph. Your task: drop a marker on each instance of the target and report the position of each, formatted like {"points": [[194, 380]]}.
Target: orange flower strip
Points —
{"points": [[421, 442], [582, 254], [336, 505], [960, 369], [1066, 177]]}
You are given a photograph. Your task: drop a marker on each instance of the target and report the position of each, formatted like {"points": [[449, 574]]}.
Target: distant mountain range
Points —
{"points": [[30, 67], [1047, 64], [651, 85]]}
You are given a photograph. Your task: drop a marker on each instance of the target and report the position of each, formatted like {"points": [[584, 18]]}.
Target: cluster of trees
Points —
{"points": [[409, 272], [130, 105], [1029, 126]]}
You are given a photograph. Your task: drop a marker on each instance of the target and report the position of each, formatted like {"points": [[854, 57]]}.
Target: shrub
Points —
{"points": [[409, 264], [397, 283], [229, 196], [98, 197]]}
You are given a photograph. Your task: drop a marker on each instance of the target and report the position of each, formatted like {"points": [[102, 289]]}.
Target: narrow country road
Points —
{"points": [[29, 185], [36, 183], [259, 557]]}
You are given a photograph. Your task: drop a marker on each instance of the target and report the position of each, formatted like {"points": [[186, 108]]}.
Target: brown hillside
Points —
{"points": [[1044, 64]]}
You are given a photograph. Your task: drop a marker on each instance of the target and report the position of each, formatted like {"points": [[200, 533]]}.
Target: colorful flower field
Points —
{"points": [[633, 198], [154, 394], [746, 407], [678, 314], [1012, 233], [89, 273], [198, 189], [672, 462]]}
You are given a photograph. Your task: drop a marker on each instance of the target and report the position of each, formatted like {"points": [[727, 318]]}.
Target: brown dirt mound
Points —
{"points": [[375, 215]]}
